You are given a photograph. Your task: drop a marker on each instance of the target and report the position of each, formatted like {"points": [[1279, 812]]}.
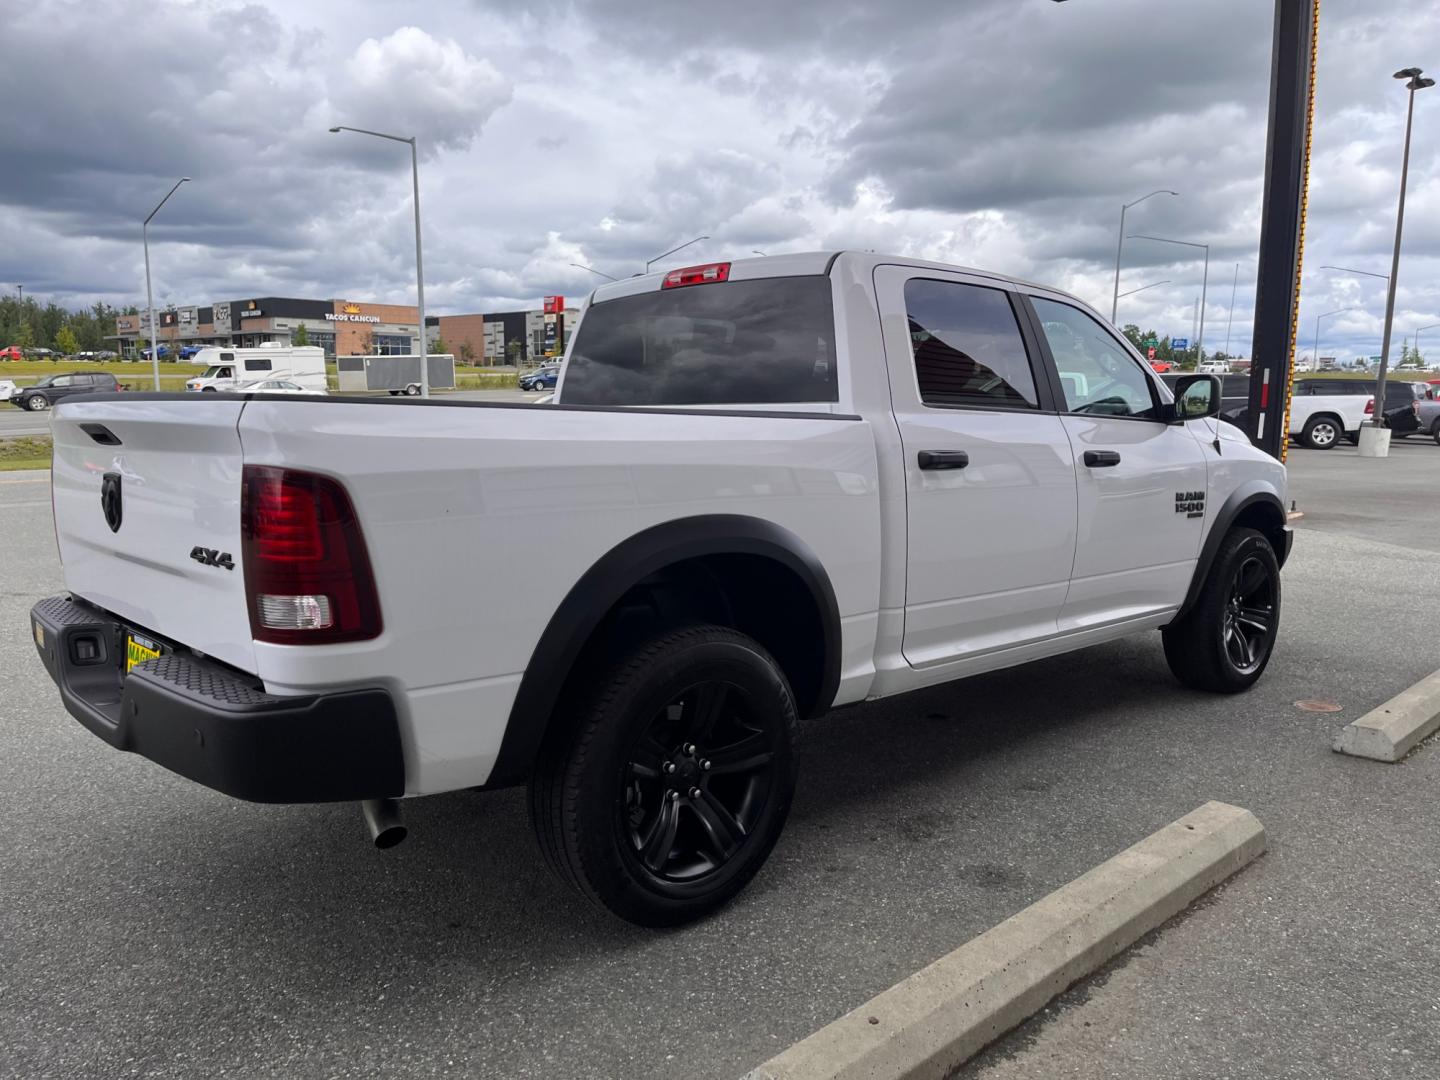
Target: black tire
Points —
{"points": [[208, 390], [1202, 648], [1322, 432], [412, 390], [614, 798], [37, 403]]}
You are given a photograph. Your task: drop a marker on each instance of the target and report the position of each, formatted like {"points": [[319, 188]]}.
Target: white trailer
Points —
{"points": [[394, 374]]}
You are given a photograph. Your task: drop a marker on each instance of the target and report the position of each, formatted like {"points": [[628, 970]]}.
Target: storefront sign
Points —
{"points": [[252, 310], [351, 313], [554, 304]]}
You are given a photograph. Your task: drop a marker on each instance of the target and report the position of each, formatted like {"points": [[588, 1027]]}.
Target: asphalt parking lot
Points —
{"points": [[151, 928]]}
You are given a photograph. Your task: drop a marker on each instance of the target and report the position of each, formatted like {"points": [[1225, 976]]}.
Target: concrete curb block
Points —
{"points": [[1391, 731], [929, 1023]]}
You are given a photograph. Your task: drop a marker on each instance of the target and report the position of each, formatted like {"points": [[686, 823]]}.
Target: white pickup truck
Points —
{"points": [[767, 488]]}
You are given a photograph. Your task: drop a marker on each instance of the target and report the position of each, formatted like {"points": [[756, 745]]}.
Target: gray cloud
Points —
{"points": [[1001, 133]]}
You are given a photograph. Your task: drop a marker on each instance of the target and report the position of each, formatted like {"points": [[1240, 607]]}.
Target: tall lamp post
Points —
{"points": [[1120, 244], [149, 299], [1315, 348], [1230, 319], [419, 258], [1142, 288], [1418, 332], [597, 273], [672, 251], [1378, 445], [1204, 285]]}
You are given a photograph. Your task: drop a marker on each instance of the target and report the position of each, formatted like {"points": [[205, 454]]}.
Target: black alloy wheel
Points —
{"points": [[1225, 639], [697, 781], [666, 791], [1248, 625]]}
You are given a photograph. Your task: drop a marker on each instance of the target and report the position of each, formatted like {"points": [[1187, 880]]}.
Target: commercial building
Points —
{"points": [[349, 327]]}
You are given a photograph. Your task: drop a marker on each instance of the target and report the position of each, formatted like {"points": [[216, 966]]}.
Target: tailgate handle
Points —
{"points": [[101, 434], [943, 459], [1102, 459]]}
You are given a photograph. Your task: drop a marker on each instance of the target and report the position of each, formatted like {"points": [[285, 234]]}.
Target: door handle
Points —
{"points": [[943, 459], [1102, 459]]}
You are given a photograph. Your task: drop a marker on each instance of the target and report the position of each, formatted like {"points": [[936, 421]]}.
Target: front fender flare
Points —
{"points": [[1249, 494]]}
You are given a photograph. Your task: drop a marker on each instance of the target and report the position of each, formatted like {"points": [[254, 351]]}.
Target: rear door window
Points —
{"points": [[967, 346], [769, 341]]}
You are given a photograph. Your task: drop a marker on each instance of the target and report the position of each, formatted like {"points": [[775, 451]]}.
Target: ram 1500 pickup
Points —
{"points": [[766, 488]]}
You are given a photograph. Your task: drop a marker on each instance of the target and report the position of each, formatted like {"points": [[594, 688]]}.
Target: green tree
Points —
{"points": [[440, 348], [25, 336], [513, 350], [300, 335], [66, 341], [467, 353]]}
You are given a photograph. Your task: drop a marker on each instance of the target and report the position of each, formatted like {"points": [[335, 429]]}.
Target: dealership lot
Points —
{"points": [[151, 927]]}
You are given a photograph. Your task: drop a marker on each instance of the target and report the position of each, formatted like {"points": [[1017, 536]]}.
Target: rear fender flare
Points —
{"points": [[611, 577]]}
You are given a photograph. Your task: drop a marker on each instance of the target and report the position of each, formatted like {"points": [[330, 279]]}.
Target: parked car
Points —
{"points": [[542, 378], [277, 386], [1214, 367], [792, 483], [41, 353], [7, 389], [1322, 411], [187, 351], [54, 388], [1160, 366], [12, 352]]}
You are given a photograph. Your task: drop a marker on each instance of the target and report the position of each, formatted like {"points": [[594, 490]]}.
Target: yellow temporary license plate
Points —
{"points": [[138, 650]]}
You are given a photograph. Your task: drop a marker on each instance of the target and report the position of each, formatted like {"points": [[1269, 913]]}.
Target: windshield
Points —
{"points": [[732, 343], [214, 371]]}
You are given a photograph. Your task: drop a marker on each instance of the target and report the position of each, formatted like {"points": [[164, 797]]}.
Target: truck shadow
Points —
{"points": [[920, 821]]}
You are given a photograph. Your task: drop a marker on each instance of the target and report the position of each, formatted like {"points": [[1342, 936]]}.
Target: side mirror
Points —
{"points": [[1196, 397]]}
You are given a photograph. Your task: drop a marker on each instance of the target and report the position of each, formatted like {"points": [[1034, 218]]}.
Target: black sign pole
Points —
{"points": [[1282, 224]]}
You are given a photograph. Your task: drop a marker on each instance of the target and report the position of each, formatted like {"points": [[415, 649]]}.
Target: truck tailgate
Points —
{"points": [[177, 465]]}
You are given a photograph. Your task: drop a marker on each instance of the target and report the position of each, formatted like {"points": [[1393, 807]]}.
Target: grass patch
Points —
{"points": [[139, 376], [28, 452]]}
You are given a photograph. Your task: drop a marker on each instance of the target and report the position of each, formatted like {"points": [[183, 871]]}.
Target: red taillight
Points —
{"points": [[1370, 407], [696, 275], [307, 575]]}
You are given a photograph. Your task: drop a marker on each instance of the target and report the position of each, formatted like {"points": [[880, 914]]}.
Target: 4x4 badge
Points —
{"points": [[210, 557]]}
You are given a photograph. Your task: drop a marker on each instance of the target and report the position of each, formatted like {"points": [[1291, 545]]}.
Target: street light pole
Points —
{"points": [[419, 257], [149, 298], [1315, 347], [597, 273], [1418, 331], [1204, 285], [1230, 321], [1415, 83], [1120, 244], [672, 251], [1142, 288]]}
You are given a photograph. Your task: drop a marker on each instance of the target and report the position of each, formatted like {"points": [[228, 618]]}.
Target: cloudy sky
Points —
{"points": [[1003, 134]]}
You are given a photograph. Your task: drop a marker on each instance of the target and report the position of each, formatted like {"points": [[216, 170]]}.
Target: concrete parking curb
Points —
{"points": [[927, 1024], [1391, 731]]}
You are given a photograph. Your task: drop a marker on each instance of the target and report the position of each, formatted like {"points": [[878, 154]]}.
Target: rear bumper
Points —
{"points": [[215, 726]]}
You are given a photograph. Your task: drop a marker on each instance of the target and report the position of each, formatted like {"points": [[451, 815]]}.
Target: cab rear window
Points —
{"points": [[770, 341]]}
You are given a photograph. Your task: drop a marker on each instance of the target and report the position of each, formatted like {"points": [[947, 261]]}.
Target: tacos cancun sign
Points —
{"points": [[351, 313]]}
